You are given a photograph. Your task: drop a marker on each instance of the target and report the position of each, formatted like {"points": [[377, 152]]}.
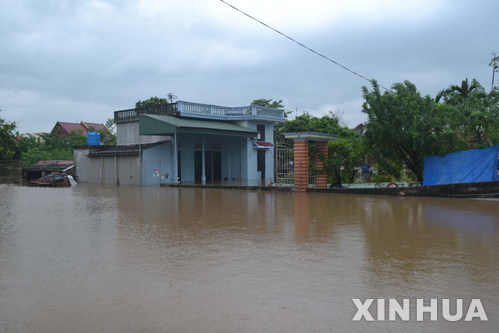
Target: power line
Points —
{"points": [[301, 44]]}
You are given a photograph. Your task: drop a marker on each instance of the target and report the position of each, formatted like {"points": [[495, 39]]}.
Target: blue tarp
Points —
{"points": [[469, 166]]}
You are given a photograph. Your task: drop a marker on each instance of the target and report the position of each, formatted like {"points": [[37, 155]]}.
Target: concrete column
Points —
{"points": [[175, 159], [301, 165], [116, 170], [203, 162], [320, 159], [101, 171]]}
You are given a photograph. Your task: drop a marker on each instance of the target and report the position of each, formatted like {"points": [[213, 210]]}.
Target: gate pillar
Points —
{"points": [[320, 159], [300, 144], [301, 165]]}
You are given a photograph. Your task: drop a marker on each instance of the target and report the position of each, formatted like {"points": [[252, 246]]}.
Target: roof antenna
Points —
{"points": [[171, 97]]}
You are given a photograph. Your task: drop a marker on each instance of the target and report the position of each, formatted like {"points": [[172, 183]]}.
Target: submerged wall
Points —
{"points": [[125, 170]]}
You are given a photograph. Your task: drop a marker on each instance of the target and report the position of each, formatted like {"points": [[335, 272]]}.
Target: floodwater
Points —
{"points": [[151, 259]]}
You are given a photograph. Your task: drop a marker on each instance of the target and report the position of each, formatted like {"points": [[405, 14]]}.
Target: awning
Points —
{"points": [[263, 145], [167, 125], [312, 136]]}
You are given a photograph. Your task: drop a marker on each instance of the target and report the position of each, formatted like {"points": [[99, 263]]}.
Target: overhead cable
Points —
{"points": [[301, 44]]}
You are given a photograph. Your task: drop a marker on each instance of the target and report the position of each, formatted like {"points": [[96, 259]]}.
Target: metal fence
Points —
{"points": [[284, 165]]}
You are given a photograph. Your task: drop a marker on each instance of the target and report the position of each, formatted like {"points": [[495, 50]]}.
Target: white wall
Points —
{"points": [[251, 153]]}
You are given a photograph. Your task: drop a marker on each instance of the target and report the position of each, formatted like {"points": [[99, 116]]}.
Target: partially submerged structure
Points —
{"points": [[44, 168], [185, 142]]}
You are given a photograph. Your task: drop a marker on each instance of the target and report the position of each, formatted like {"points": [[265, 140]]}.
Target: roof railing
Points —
{"points": [[204, 110]]}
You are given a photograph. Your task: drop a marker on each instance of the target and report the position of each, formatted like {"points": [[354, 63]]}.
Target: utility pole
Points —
{"points": [[494, 63]]}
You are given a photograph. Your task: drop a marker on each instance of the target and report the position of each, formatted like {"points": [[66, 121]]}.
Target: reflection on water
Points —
{"points": [[134, 259]]}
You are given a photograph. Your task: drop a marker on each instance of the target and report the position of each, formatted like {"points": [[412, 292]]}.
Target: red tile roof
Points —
{"points": [[81, 127], [263, 144], [96, 126]]}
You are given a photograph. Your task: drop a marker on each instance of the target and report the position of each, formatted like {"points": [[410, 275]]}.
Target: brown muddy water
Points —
{"points": [[134, 259]]}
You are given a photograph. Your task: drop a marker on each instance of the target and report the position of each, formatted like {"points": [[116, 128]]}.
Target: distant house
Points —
{"points": [[186, 142], [360, 128], [63, 129]]}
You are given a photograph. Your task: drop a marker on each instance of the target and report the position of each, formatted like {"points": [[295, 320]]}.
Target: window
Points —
{"points": [[261, 132]]}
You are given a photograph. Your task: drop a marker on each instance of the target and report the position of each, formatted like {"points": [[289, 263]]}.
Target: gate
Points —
{"points": [[284, 168], [284, 156]]}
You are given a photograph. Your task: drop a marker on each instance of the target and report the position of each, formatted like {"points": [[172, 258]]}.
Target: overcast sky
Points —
{"points": [[74, 60]]}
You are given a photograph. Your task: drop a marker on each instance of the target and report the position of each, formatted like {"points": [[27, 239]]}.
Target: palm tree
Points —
{"points": [[458, 94], [440, 95], [465, 89]]}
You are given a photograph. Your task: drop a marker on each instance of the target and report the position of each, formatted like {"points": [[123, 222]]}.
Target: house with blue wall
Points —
{"points": [[185, 142]]}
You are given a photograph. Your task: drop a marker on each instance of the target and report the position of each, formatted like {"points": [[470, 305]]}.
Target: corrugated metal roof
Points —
{"points": [[54, 162], [50, 165], [122, 150], [161, 125]]}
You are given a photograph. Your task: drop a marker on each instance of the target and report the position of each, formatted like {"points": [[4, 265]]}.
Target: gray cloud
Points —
{"points": [[81, 60]]}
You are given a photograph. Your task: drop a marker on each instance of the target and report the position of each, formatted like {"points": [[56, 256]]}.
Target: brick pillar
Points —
{"points": [[320, 158], [301, 165]]}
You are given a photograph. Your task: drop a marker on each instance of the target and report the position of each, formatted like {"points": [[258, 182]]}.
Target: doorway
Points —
{"points": [[260, 161], [213, 166]]}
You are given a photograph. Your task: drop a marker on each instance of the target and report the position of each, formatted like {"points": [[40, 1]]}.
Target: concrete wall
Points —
{"points": [[127, 133], [232, 156], [158, 165], [186, 147], [125, 170]]}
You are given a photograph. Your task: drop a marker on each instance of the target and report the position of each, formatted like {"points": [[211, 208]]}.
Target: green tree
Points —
{"points": [[268, 103], [107, 138], [8, 144], [152, 102], [307, 123], [111, 125], [473, 114], [52, 147], [404, 126], [457, 94], [346, 156]]}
